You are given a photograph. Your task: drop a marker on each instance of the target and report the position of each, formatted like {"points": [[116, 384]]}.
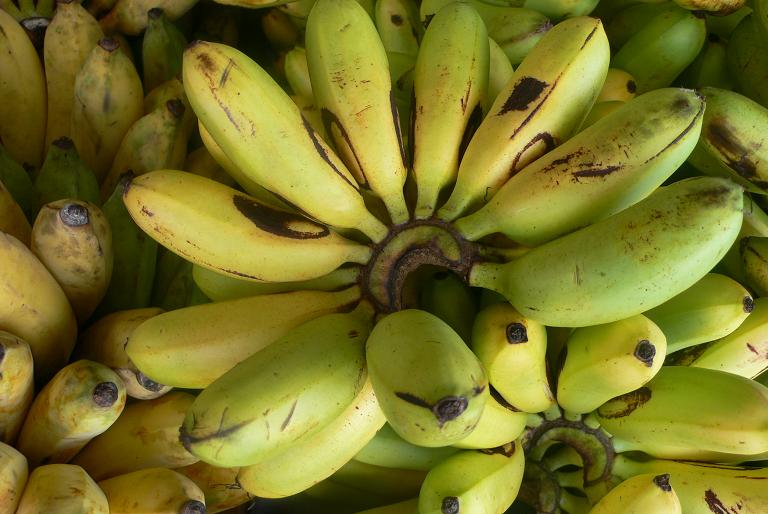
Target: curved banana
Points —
{"points": [[499, 424], [450, 82], [754, 250], [710, 309], [640, 494], [389, 450], [297, 72], [602, 170], [625, 264], [153, 491], [19, 183], [65, 175], [200, 162], [513, 350], [129, 17], [564, 71], [748, 59], [14, 472], [446, 296], [158, 98], [710, 68], [500, 71], [13, 221], [618, 86], [51, 488], [219, 486], [161, 49], [16, 385]]}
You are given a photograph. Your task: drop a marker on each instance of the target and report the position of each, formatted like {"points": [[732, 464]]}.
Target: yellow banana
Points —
{"points": [[158, 98], [499, 424], [399, 26], [753, 252], [619, 86], [153, 491], [14, 472], [641, 494], [297, 72], [129, 17], [500, 72], [16, 385], [219, 485], [62, 488], [201, 162], [387, 449], [12, 219]]}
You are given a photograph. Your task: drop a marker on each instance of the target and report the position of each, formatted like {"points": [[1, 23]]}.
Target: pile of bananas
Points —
{"points": [[392, 257]]}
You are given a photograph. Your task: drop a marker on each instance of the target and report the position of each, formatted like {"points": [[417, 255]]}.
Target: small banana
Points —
{"points": [[279, 30], [65, 175], [19, 183], [710, 68], [194, 346], [755, 223], [219, 486], [513, 350], [16, 385], [129, 17], [297, 72], [500, 71], [158, 97], [14, 472], [389, 450], [145, 435], [153, 491], [710, 309], [161, 49], [13, 221], [625, 264], [753, 252], [447, 297], [748, 59], [604, 361], [640, 494], [62, 488], [499, 424], [618, 86], [200, 162]]}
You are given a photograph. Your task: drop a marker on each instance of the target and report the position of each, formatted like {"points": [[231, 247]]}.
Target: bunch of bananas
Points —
{"points": [[384, 256]]}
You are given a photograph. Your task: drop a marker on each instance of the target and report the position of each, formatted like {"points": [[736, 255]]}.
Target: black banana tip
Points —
{"points": [[663, 482], [74, 215], [109, 44], [645, 351], [63, 143], [192, 507], [748, 303], [105, 394], [155, 13], [449, 408], [147, 383], [176, 107], [124, 182]]}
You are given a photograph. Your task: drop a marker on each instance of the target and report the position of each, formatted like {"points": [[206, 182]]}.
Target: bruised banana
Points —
{"points": [[219, 485], [388, 449], [640, 494], [14, 472], [625, 264], [153, 491], [16, 385], [62, 488]]}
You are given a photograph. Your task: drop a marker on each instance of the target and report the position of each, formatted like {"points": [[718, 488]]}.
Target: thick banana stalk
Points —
{"points": [[220, 228], [19, 183], [398, 25], [450, 82], [640, 494], [62, 488], [500, 71], [693, 414], [546, 100], [130, 16], [22, 88], [105, 341], [748, 59], [352, 87], [260, 129], [80, 402], [446, 296], [14, 472], [626, 264], [754, 260], [513, 350], [16, 386], [161, 49], [194, 346], [65, 175], [710, 68], [262, 406], [710, 309], [219, 485], [70, 37], [108, 100], [499, 424], [389, 450], [429, 384], [145, 435], [74, 241], [601, 171], [153, 491], [12, 219], [474, 482], [604, 361], [314, 459], [34, 308]]}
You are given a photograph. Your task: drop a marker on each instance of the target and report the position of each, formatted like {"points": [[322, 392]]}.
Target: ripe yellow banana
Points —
{"points": [[14, 472], [62, 488], [618, 86], [12, 219], [219, 485], [641, 494], [201, 162], [500, 71], [16, 386], [499, 424], [153, 491]]}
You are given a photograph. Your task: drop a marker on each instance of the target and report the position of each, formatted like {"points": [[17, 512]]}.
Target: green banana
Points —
{"points": [[14, 472], [17, 387], [625, 264], [754, 259], [645, 493], [398, 25], [65, 175], [710, 309], [599, 172], [500, 71], [755, 224], [389, 450], [450, 82], [153, 490], [723, 25], [605, 361], [219, 485], [161, 49], [429, 384], [274, 407], [631, 19], [564, 71], [748, 59], [710, 68], [403, 507], [61, 488], [297, 72], [447, 297], [499, 424], [391, 483], [173, 287], [18, 182], [12, 219]]}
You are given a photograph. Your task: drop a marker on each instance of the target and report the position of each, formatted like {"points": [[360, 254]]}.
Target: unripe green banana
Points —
{"points": [[297, 72], [513, 350], [710, 309], [561, 9], [12, 219], [604, 361], [161, 49], [153, 491], [474, 482], [62, 488], [261, 130], [723, 26], [565, 71], [16, 386], [219, 485], [65, 175], [261, 406], [18, 182], [174, 288], [403, 507], [450, 82], [692, 414], [710, 68], [500, 71], [130, 16], [80, 402], [429, 384], [194, 346], [446, 296], [145, 435], [14, 472], [630, 18], [499, 424], [754, 252], [625, 264], [755, 224], [594, 175], [388, 449], [748, 59], [390, 483], [640, 494], [398, 25]]}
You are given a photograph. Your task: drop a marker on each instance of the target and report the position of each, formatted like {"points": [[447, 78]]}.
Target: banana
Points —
{"points": [[62, 488], [19, 183], [129, 17], [222, 229], [403, 507], [450, 83], [474, 482], [447, 297], [314, 459], [640, 494], [600, 111], [732, 139], [105, 340], [65, 175], [201, 162], [499, 424], [618, 86], [70, 37], [297, 72], [748, 59], [13, 221], [562, 9], [279, 30], [398, 25], [107, 101], [604, 361], [261, 129], [390, 483], [723, 26], [174, 287], [14, 472], [80, 402], [16, 385], [161, 49], [715, 7], [74, 241], [194, 346], [710, 68], [387, 449], [158, 98], [693, 414], [330, 497], [22, 88], [35, 308], [500, 71], [755, 224], [351, 83], [565, 70], [153, 491], [600, 171], [145, 435], [219, 486], [513, 350], [753, 257], [710, 309], [430, 385], [625, 264], [274, 407]]}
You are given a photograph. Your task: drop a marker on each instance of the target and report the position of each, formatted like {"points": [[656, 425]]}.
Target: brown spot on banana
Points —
{"points": [[645, 352], [396, 19], [331, 121], [662, 482], [713, 503], [277, 222], [720, 135], [287, 419], [323, 154], [516, 333], [105, 394], [631, 401], [225, 74]]}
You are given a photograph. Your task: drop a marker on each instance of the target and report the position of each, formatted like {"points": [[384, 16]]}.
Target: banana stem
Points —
{"points": [[485, 274]]}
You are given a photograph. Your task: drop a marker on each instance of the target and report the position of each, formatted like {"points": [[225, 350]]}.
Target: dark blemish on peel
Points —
{"points": [[276, 222], [525, 91]]}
